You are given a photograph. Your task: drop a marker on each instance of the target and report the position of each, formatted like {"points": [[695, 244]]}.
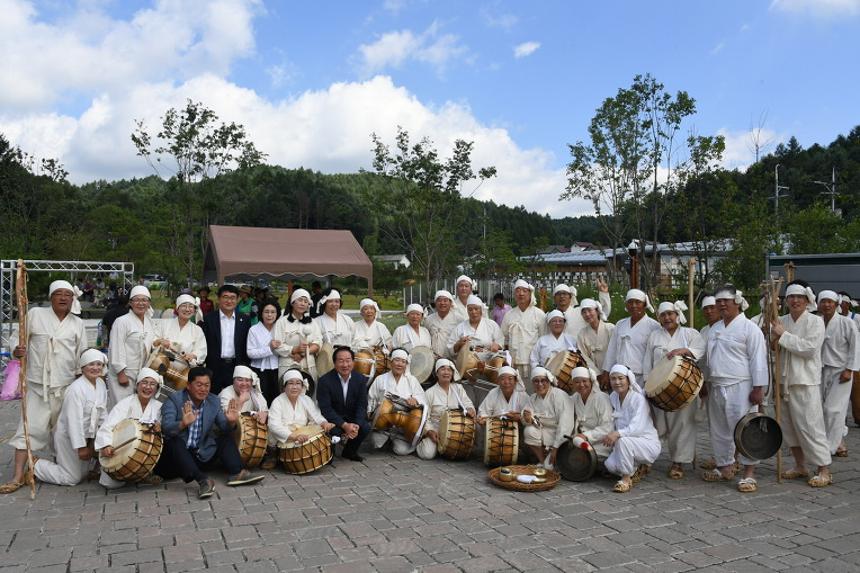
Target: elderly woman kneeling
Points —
{"points": [[443, 396], [548, 418], [634, 441], [293, 410], [592, 409]]}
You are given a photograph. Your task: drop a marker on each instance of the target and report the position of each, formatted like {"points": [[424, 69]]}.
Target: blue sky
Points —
{"points": [[310, 80]]}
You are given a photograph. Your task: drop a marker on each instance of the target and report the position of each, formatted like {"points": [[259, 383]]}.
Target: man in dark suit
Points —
{"points": [[342, 398], [189, 420], [226, 352]]}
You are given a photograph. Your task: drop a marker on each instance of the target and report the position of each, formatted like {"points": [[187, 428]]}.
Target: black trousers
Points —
{"points": [[351, 447], [222, 372], [269, 385], [178, 461]]}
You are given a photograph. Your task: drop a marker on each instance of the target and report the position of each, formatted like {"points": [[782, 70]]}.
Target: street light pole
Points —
{"points": [[776, 192]]}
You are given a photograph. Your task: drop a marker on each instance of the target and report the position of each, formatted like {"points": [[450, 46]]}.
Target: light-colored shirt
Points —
{"points": [[228, 333], [495, 403], [573, 315], [486, 333], [406, 387], [291, 334], [801, 349], [627, 345], [548, 346], [406, 337], [53, 348], [83, 411], [189, 338], [522, 328], [736, 352], [593, 344], [441, 401], [555, 411], [841, 348], [336, 331], [370, 335], [594, 418], [499, 312], [130, 344], [439, 329], [285, 418], [129, 408], [660, 343], [633, 417], [259, 349], [344, 385]]}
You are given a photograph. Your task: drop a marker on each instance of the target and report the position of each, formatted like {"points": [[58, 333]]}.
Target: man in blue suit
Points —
{"points": [[198, 435], [342, 398]]}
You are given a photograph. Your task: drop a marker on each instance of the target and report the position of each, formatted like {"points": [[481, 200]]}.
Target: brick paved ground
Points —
{"points": [[402, 514]]}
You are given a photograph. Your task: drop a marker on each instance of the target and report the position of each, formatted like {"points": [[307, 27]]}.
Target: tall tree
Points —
{"points": [[420, 207], [200, 149]]}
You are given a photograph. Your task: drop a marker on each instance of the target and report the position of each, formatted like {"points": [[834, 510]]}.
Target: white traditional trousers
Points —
{"points": [[629, 452], [727, 404], [835, 397], [679, 430], [803, 426]]}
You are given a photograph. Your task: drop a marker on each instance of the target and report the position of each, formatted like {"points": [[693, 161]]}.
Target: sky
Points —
{"points": [[311, 81]]}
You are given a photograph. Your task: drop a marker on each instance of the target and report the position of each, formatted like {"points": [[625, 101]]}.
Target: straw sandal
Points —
{"points": [[622, 486], [708, 464], [716, 475], [819, 480], [676, 471], [795, 474], [640, 473], [747, 485], [841, 452]]}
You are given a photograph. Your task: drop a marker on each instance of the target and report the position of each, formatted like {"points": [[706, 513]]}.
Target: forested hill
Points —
{"points": [[155, 222]]}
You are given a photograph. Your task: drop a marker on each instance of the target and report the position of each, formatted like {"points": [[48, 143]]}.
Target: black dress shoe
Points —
{"points": [[353, 456]]}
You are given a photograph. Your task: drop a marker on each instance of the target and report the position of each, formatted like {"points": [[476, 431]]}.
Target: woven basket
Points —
{"points": [[552, 478]]}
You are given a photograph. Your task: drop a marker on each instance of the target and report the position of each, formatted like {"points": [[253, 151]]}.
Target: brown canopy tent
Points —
{"points": [[241, 253]]}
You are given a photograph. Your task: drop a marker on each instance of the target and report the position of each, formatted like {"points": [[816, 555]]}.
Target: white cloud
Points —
{"points": [[526, 49], [88, 51], [327, 130], [393, 49], [821, 8], [718, 48], [740, 146], [501, 20], [394, 6]]}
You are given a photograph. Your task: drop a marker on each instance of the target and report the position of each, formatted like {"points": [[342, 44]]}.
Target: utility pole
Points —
{"points": [[831, 189], [776, 192]]}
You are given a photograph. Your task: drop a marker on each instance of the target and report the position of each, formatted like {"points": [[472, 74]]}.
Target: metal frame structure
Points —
{"points": [[8, 268]]}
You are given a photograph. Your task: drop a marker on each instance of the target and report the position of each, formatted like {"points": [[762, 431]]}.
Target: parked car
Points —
{"points": [[154, 281]]}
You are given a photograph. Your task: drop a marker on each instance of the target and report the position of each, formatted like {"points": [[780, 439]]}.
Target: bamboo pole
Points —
{"points": [[21, 295], [691, 275], [773, 292]]}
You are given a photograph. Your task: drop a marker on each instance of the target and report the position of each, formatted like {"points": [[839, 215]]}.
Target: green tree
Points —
{"points": [[420, 206], [200, 149]]}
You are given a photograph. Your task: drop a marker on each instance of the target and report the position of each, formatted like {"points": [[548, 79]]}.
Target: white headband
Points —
{"points": [[400, 353], [523, 284], [443, 294], [463, 278], [591, 303], [294, 374], [677, 307], [299, 293], [555, 314], [474, 300], [708, 301], [540, 371], [91, 355], [508, 370], [571, 290], [582, 372], [76, 292], [149, 373], [368, 302], [443, 362], [245, 372], [187, 299], [415, 307], [333, 295], [636, 294], [139, 290], [738, 297], [830, 295], [621, 369], [800, 290]]}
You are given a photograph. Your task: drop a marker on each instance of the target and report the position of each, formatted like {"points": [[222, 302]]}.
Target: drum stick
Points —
{"points": [[21, 295]]}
